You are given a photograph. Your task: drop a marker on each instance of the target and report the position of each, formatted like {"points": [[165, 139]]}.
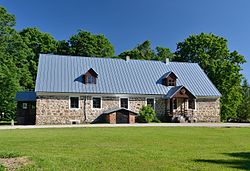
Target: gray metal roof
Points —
{"points": [[116, 76], [118, 109], [25, 96]]}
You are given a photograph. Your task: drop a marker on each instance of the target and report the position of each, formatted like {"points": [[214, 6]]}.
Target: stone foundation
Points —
{"points": [[55, 109]]}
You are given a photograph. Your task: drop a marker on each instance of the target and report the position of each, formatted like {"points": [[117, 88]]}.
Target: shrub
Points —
{"points": [[147, 114]]}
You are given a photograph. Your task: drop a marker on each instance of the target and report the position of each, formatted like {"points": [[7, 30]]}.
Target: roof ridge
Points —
{"points": [[112, 58]]}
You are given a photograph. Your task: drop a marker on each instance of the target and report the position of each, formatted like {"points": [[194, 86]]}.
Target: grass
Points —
{"points": [[150, 148]]}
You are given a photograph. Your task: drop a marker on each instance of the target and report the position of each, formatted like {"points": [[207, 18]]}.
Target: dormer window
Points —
{"points": [[169, 79], [90, 80], [90, 77], [171, 82]]}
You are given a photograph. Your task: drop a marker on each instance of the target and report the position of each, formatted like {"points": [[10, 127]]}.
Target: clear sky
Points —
{"points": [[129, 22]]}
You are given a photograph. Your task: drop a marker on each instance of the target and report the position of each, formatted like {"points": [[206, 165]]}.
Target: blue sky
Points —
{"points": [[128, 23]]}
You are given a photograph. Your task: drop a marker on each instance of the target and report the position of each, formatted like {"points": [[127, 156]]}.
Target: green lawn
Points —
{"points": [[151, 148]]}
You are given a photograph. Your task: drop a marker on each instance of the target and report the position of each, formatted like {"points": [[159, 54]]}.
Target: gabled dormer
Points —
{"points": [[169, 79], [90, 77]]}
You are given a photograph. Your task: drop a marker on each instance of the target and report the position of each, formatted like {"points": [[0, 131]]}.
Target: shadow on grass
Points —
{"points": [[241, 161]]}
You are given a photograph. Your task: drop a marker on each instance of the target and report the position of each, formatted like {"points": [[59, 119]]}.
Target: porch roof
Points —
{"points": [[174, 90], [26, 96], [118, 109]]}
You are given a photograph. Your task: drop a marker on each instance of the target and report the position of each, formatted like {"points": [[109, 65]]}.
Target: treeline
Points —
{"points": [[19, 51]]}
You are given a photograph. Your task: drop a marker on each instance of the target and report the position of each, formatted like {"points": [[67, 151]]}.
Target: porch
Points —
{"points": [[180, 105]]}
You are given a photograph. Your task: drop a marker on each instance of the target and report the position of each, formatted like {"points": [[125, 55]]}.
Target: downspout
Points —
{"points": [[84, 108]]}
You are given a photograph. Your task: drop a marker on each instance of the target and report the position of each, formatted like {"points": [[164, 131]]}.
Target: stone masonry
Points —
{"points": [[55, 109]]}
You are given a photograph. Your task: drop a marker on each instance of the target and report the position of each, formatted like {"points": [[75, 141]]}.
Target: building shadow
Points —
{"points": [[240, 160], [79, 79]]}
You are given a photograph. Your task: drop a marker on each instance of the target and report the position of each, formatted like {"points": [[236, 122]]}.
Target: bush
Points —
{"points": [[147, 114]]}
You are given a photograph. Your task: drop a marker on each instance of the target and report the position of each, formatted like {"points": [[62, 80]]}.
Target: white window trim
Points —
{"points": [[123, 98], [92, 107], [194, 105], [151, 98], [78, 103]]}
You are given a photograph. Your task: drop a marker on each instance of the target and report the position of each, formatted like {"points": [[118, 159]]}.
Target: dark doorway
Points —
{"points": [[122, 117], [26, 113]]}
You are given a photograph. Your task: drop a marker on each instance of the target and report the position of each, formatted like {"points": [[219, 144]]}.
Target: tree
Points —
{"points": [[222, 67], [163, 53], [63, 48], [38, 42], [9, 85], [86, 44], [145, 52], [14, 73], [243, 112]]}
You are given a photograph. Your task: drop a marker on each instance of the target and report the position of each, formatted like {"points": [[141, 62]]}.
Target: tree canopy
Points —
{"points": [[14, 73], [222, 67], [86, 44], [37, 42], [243, 112], [145, 52]]}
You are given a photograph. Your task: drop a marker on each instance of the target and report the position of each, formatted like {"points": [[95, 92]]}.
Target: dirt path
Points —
{"points": [[12, 164]]}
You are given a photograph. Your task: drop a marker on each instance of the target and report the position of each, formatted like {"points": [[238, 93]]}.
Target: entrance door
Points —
{"points": [[26, 113]]}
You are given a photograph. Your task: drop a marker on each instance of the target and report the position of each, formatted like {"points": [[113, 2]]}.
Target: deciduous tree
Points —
{"points": [[86, 44], [14, 73], [38, 42], [145, 52], [243, 112], [222, 67]]}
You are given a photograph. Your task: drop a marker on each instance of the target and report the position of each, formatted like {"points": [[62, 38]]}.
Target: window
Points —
{"points": [[25, 106], [96, 102], [171, 82], [90, 80], [191, 103], [175, 103], [124, 103], [90, 77], [151, 102], [74, 102]]}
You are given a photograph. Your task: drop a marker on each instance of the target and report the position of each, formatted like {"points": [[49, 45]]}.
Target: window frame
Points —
{"points": [[153, 100], [92, 104], [194, 104], [176, 104], [120, 104], [70, 103], [24, 105], [171, 82]]}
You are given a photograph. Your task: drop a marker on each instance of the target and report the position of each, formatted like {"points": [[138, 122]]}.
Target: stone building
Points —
{"points": [[72, 90]]}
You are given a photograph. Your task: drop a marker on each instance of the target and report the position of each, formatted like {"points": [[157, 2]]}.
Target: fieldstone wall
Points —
{"points": [[135, 103], [160, 107], [55, 109], [93, 114], [207, 110]]}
